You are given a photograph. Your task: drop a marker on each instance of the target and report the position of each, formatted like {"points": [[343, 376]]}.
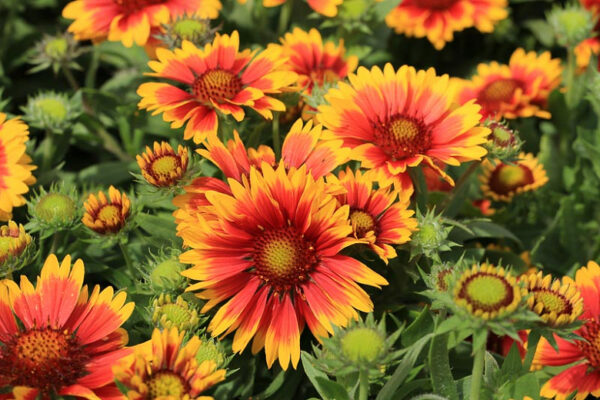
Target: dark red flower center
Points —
{"points": [[362, 222], [402, 137], [591, 346], [166, 384], [283, 258], [442, 279], [435, 4], [552, 301], [217, 85], [499, 91], [45, 359], [507, 178], [132, 6]]}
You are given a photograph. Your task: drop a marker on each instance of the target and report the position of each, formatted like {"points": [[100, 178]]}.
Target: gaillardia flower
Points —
{"points": [[439, 19], [328, 8], [502, 181], [487, 292], [106, 216], [280, 235], [163, 167], [13, 241], [217, 78], [15, 165], [557, 303], [57, 339], [519, 89], [393, 120], [315, 62], [584, 375], [165, 368], [376, 217], [130, 21]]}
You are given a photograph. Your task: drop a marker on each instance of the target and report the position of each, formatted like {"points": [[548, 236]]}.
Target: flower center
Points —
{"points": [[164, 166], [501, 135], [189, 29], [499, 91], [166, 384], [443, 280], [362, 222], [56, 48], [591, 346], [175, 313], [217, 85], [109, 213], [486, 292], [55, 109], [435, 4], [362, 344], [402, 137], [552, 301], [283, 258], [323, 75], [132, 6], [506, 178], [44, 359]]}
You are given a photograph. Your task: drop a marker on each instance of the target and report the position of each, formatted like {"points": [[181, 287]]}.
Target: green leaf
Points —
{"points": [[439, 365], [512, 367], [485, 229], [542, 31], [107, 173], [326, 388], [401, 373], [423, 323], [159, 226]]}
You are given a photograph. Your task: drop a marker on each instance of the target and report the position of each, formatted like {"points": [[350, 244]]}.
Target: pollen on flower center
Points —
{"points": [[217, 85], [165, 165], [283, 258], [109, 213], [166, 384], [403, 137], [552, 301], [42, 358], [500, 90], [487, 292], [362, 222], [131, 6], [435, 4], [506, 178]]}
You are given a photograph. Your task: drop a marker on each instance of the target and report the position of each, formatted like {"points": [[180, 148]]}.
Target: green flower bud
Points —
{"points": [[56, 207], [571, 24], [166, 276], [179, 314], [211, 350], [362, 344]]}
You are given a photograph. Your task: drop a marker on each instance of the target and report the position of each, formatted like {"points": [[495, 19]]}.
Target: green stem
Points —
{"points": [[127, 259], [70, 77], [460, 183], [570, 78], [90, 76], [284, 17], [276, 137], [363, 388], [111, 145], [48, 150], [54, 245], [477, 374]]}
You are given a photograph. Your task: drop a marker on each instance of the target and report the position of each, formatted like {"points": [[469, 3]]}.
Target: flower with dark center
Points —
{"points": [[106, 216]]}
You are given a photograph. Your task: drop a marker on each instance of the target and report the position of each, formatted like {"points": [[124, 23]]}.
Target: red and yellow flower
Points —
{"points": [[15, 165], [58, 339], [130, 21], [502, 181], [216, 78], [163, 167], [585, 50], [280, 234], [303, 145], [393, 120], [376, 217], [13, 240], [584, 375], [315, 62], [106, 216], [328, 8], [519, 89], [165, 368], [439, 19]]}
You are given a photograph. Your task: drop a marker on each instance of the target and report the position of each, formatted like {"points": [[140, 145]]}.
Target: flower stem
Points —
{"points": [[284, 17], [570, 78], [48, 150], [363, 388], [70, 78], [460, 183], [477, 374], [127, 258], [54, 245], [276, 137]]}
